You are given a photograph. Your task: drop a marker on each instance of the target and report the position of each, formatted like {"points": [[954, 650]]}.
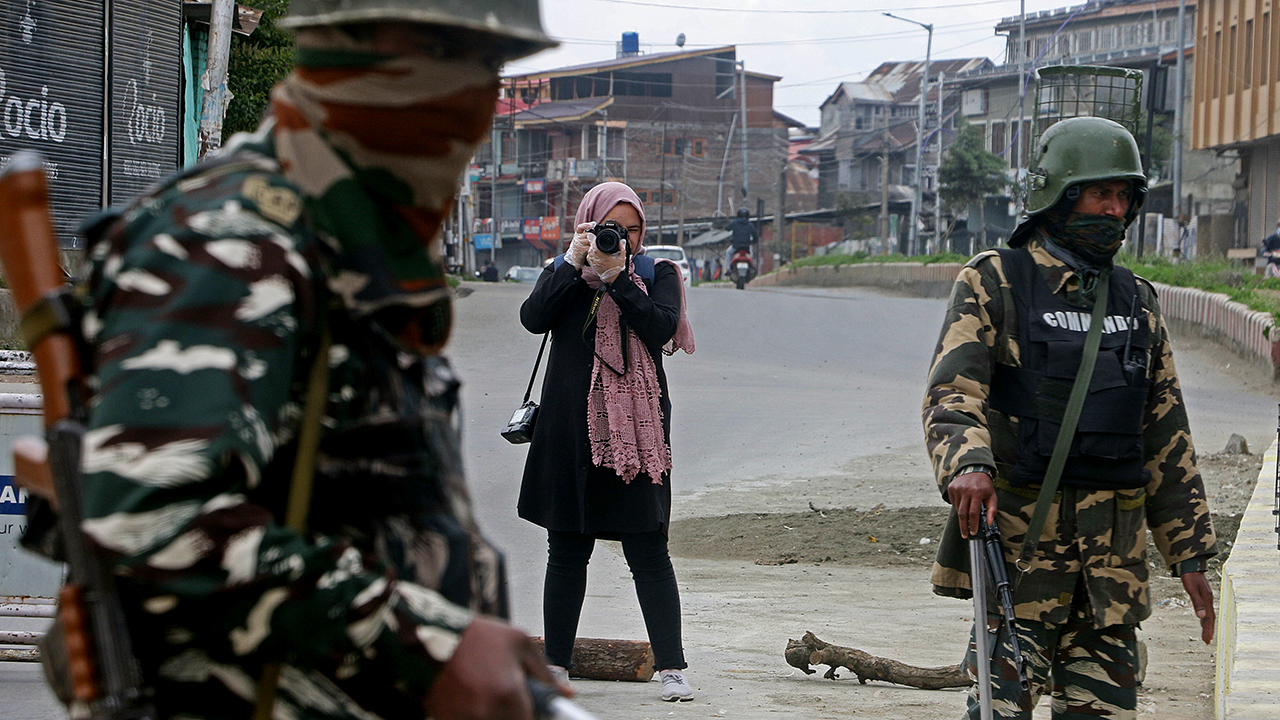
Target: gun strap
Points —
{"points": [[1070, 418], [58, 311], [300, 485]]}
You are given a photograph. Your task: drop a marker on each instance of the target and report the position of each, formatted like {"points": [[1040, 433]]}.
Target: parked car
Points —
{"points": [[521, 274], [674, 253]]}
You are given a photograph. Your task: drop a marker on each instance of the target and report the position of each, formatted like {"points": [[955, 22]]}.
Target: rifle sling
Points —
{"points": [[1070, 418], [300, 485], [57, 311]]}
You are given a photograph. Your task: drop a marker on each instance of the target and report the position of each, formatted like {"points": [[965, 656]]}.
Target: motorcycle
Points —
{"points": [[742, 269]]}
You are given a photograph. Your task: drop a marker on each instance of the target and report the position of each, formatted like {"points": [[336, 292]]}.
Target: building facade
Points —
{"points": [[670, 125]]}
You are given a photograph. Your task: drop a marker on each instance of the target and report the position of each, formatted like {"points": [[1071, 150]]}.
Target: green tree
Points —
{"points": [[256, 63], [969, 173]]}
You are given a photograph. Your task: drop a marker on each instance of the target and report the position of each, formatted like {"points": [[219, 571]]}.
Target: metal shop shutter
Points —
{"points": [[146, 71], [51, 99]]}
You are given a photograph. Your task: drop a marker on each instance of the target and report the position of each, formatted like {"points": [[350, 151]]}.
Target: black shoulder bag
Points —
{"points": [[520, 427]]}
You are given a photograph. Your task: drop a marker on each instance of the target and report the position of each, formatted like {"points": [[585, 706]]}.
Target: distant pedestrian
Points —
{"points": [[599, 464], [1271, 251], [489, 273], [718, 270]]}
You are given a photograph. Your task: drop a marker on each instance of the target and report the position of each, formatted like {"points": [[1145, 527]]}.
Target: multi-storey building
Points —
{"points": [[670, 125], [1141, 35], [866, 149], [1236, 86]]}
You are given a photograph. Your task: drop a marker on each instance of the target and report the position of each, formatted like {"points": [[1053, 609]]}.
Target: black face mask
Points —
{"points": [[1093, 238]]}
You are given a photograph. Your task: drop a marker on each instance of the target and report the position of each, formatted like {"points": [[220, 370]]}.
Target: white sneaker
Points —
{"points": [[674, 686], [560, 674]]}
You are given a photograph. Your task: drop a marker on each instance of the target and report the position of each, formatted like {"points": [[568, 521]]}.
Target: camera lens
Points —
{"points": [[609, 237]]}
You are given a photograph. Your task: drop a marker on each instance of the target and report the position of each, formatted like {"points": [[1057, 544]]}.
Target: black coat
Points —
{"points": [[561, 489]]}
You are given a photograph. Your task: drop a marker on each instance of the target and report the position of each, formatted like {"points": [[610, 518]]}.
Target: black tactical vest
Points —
{"points": [[1107, 451]]}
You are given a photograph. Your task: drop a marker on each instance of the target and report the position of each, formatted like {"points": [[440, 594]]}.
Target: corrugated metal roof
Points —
{"points": [[627, 62], [561, 111]]}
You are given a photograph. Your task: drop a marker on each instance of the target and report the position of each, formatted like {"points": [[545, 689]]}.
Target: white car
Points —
{"points": [[674, 253], [519, 274]]}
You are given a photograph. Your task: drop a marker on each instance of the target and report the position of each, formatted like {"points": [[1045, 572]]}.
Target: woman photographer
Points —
{"points": [[599, 462]]}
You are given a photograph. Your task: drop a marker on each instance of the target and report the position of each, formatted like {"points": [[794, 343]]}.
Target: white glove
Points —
{"points": [[606, 265], [577, 255]]}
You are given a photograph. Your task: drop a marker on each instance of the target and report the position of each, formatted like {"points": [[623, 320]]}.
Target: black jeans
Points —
{"points": [[655, 579]]}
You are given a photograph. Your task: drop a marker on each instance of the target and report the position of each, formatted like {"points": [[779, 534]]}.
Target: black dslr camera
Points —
{"points": [[610, 236]]}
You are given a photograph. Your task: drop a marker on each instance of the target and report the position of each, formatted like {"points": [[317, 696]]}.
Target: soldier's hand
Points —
{"points": [[967, 494], [485, 678], [1201, 595]]}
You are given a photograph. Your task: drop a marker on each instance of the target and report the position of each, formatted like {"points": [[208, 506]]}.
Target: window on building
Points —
{"points": [[998, 141], [1129, 36], [697, 147], [1247, 79], [1264, 69], [1231, 61], [1168, 31], [1217, 71], [1084, 41], [638, 84], [726, 74]]}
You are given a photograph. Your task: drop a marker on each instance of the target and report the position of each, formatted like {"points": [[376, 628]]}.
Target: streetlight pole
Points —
{"points": [[917, 199]]}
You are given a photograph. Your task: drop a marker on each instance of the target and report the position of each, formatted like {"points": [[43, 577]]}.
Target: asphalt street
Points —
{"points": [[786, 384]]}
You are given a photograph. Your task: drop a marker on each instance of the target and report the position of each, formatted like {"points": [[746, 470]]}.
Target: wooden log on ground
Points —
{"points": [[599, 659], [809, 650]]}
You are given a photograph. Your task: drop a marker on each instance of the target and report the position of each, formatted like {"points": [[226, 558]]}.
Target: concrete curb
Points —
{"points": [[1248, 657], [1213, 315]]}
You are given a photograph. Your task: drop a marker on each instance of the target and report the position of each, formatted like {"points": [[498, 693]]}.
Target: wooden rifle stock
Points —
{"points": [[104, 675], [29, 254]]}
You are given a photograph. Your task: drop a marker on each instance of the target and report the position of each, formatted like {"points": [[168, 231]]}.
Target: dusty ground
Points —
{"points": [[893, 541]]}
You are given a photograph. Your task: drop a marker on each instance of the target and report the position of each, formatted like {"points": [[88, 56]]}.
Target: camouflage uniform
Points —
{"points": [[1091, 562], [208, 297]]}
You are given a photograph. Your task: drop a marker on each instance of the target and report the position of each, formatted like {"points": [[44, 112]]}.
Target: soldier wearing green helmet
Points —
{"points": [[1019, 325], [293, 287]]}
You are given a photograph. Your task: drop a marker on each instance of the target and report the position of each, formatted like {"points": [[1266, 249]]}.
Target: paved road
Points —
{"points": [[786, 384]]}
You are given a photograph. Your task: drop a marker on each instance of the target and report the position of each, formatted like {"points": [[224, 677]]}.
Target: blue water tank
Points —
{"points": [[630, 43]]}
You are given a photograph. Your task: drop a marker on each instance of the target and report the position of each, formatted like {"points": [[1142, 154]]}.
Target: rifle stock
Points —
{"points": [[106, 681]]}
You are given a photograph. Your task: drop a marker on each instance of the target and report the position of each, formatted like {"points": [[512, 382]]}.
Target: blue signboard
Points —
{"points": [[482, 241], [13, 499]]}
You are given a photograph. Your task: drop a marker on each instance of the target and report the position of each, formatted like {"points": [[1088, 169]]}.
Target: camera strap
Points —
{"points": [[529, 390]]}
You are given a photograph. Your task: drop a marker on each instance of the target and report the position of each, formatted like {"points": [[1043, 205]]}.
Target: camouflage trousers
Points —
{"points": [[1087, 672]]}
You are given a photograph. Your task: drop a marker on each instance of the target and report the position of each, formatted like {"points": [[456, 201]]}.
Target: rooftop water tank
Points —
{"points": [[630, 43]]}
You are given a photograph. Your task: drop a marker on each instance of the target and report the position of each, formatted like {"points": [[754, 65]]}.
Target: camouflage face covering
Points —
{"points": [[1093, 238], [377, 143]]}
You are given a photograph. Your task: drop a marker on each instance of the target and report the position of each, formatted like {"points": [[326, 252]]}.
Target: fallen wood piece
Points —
{"points": [[809, 650], [597, 659]]}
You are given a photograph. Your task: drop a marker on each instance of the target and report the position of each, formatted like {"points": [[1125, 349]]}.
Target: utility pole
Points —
{"points": [[1022, 110], [884, 195], [937, 173], [746, 188], [662, 184], [495, 208], [1180, 79], [214, 80], [914, 231]]}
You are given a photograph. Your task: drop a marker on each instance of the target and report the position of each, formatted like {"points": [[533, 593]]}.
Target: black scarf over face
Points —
{"points": [[1093, 238]]}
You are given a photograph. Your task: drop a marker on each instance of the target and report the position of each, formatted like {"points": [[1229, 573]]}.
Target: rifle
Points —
{"points": [[106, 681], [986, 560]]}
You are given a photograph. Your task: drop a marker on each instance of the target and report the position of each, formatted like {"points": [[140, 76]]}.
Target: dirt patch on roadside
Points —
{"points": [[908, 536]]}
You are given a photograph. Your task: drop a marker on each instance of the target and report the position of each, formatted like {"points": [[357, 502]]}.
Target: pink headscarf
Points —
{"points": [[624, 418]]}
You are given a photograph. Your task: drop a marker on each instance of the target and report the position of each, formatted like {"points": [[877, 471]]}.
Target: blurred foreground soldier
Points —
{"points": [[214, 297], [1011, 347]]}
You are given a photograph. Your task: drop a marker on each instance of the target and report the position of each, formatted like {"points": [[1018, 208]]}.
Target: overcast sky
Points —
{"points": [[812, 44]]}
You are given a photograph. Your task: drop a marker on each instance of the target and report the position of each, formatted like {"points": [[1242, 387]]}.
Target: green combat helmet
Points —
{"points": [[1075, 152], [515, 24]]}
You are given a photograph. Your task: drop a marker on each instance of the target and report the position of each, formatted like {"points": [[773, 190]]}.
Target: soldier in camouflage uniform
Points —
{"points": [[211, 298], [1008, 354]]}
